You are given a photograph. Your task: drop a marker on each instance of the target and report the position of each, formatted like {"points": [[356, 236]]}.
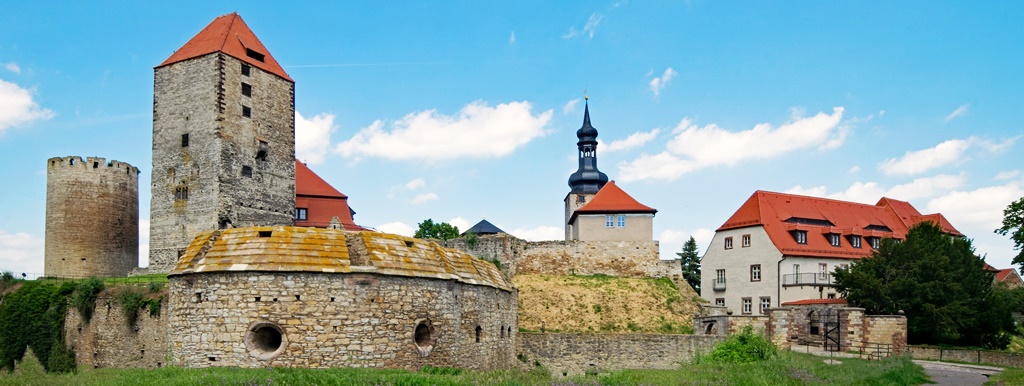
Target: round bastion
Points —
{"points": [[314, 298]]}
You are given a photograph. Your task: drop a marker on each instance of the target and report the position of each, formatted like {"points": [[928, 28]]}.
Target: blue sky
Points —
{"points": [[457, 111]]}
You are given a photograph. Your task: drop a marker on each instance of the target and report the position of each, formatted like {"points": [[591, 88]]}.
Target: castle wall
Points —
{"points": [[92, 217], [339, 320], [107, 340], [568, 354], [614, 258], [234, 170]]}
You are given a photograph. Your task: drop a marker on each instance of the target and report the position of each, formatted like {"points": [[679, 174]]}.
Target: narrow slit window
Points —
{"points": [[184, 140]]}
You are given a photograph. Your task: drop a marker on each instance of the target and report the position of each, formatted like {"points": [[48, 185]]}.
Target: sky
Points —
{"points": [[462, 110]]}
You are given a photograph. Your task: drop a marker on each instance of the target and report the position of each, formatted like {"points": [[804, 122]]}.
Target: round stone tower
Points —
{"points": [[92, 217]]}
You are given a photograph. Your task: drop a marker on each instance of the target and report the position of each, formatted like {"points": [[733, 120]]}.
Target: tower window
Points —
{"points": [[246, 112], [246, 89], [245, 69], [246, 171], [181, 192], [184, 140], [301, 213], [746, 240], [728, 243], [254, 54]]}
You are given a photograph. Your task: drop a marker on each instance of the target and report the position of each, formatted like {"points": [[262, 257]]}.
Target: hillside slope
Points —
{"points": [[604, 304]]}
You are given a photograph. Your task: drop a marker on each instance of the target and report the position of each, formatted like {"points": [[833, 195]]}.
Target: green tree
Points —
{"points": [[428, 229], [938, 281], [1013, 224], [691, 264]]}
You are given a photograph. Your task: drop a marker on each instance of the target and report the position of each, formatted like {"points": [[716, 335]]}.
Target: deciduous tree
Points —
{"points": [[1013, 225], [428, 229], [938, 281], [691, 264]]}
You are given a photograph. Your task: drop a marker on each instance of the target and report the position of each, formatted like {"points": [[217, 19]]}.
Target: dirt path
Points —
{"points": [[956, 374]]}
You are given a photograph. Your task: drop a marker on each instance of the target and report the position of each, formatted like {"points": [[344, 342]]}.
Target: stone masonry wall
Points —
{"points": [[92, 217], [107, 340], [575, 354], [234, 170], [885, 329], [998, 358], [340, 320], [613, 258]]}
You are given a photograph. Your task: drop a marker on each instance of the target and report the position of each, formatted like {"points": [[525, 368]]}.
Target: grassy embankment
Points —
{"points": [[786, 369]]}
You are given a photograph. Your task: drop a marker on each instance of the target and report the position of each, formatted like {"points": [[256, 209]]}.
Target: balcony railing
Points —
{"points": [[806, 279], [718, 285]]}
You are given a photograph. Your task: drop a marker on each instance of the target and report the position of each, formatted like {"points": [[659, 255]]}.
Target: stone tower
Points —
{"points": [[92, 217], [587, 180], [223, 139]]}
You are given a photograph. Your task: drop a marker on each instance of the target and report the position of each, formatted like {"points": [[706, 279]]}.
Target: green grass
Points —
{"points": [[787, 368], [1008, 376]]}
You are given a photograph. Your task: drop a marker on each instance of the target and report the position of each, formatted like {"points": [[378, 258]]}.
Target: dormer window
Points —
{"points": [[855, 241], [253, 54], [834, 239], [800, 237], [874, 242]]}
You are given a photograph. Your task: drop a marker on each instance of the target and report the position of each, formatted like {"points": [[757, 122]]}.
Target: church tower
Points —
{"points": [[223, 139], [587, 180]]}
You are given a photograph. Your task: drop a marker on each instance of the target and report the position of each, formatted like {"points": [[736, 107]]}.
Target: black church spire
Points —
{"points": [[587, 179]]}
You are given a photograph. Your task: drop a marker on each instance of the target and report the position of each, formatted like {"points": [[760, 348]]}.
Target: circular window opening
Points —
{"points": [[265, 340], [423, 337]]}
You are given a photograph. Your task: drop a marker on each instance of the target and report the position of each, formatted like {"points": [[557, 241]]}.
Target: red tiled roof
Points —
{"points": [[804, 302], [308, 183], [230, 35], [612, 199], [1002, 274], [781, 213]]}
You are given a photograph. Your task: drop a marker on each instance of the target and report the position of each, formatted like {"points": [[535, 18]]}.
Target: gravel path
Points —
{"points": [[954, 374]]}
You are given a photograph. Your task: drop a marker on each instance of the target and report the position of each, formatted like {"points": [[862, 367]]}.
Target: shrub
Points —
{"points": [[131, 301], [441, 370], [84, 297], [743, 347]]}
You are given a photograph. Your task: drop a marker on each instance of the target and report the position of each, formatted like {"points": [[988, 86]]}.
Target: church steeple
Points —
{"points": [[587, 179]]}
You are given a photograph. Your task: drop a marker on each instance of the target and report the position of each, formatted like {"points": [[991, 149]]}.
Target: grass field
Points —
{"points": [[788, 369]]}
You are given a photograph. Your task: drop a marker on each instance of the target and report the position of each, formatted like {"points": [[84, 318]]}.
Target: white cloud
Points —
{"points": [[460, 223], [21, 252], [397, 228], [143, 242], [540, 233], [425, 197], [915, 162], [633, 140], [512, 38], [854, 169], [1007, 174], [814, 191], [588, 29], [871, 192], [17, 107], [695, 147], [671, 241], [478, 130], [659, 82], [926, 187], [976, 211], [959, 112], [13, 67], [570, 106], [415, 184], [312, 137]]}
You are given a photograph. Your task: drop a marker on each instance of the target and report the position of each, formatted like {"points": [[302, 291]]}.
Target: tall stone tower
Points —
{"points": [[587, 180], [92, 217], [223, 139]]}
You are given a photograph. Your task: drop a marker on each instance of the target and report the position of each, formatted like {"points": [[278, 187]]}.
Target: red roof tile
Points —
{"points": [[308, 183], [230, 35], [612, 199], [781, 213], [804, 302], [1002, 274]]}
